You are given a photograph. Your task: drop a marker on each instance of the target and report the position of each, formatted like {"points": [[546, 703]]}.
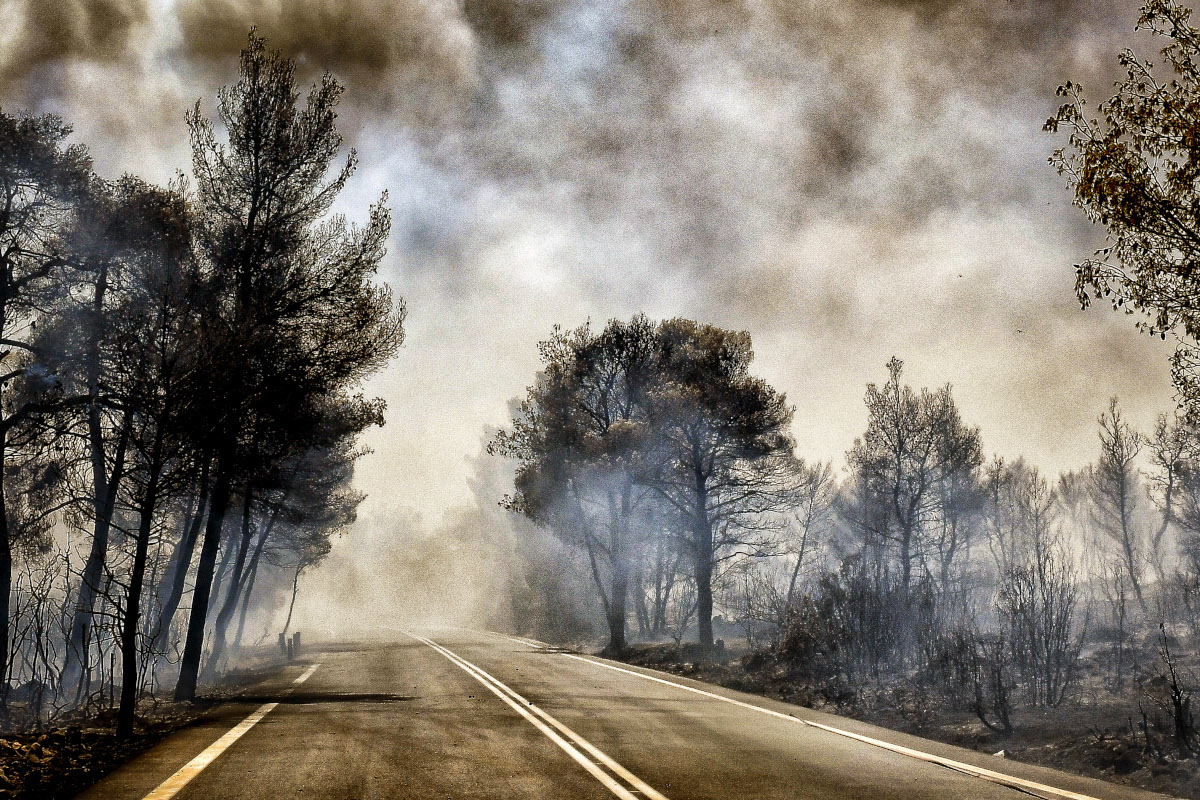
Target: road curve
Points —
{"points": [[460, 714]]}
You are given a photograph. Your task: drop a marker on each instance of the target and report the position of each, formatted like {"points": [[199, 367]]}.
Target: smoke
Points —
{"points": [[480, 566], [412, 45], [847, 181], [42, 33]]}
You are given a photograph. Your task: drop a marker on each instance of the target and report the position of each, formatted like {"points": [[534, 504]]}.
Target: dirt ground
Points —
{"points": [[1096, 732]]}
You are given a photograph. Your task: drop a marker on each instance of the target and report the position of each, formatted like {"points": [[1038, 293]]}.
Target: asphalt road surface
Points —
{"points": [[458, 714]]}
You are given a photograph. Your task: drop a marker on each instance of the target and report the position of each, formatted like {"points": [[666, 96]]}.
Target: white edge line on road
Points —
{"points": [[524, 708], [633, 780], [534, 643], [970, 769], [171, 786], [523, 640]]}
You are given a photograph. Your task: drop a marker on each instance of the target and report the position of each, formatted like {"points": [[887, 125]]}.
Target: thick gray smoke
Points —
{"points": [[41, 34], [847, 181]]}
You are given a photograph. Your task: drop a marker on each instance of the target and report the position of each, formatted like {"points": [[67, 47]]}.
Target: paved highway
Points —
{"points": [[456, 714]]}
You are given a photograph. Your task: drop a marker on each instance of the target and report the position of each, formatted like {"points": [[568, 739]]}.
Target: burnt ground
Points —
{"points": [[73, 752], [1097, 732], [61, 761]]}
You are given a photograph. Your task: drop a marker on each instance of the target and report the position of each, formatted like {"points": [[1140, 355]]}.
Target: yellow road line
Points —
{"points": [[535, 717], [307, 674], [172, 785], [959, 766]]}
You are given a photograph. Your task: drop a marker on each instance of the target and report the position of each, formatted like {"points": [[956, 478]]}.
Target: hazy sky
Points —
{"points": [[846, 180]]}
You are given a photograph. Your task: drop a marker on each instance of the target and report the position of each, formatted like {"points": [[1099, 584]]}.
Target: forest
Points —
{"points": [[184, 399], [923, 577], [668, 470], [180, 397]]}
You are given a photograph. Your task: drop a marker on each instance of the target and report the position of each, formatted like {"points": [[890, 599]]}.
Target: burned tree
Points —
{"points": [[721, 452], [916, 470], [579, 438], [1038, 592], [157, 324], [1116, 492], [643, 425], [300, 317], [1172, 445], [43, 184]]}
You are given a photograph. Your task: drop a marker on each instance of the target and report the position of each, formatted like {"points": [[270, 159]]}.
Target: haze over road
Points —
{"points": [[457, 714]]}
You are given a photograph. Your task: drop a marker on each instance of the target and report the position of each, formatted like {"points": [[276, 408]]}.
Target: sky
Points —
{"points": [[847, 181]]}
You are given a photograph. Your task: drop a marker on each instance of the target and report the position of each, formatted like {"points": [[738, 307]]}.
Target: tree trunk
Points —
{"points": [[5, 577], [133, 604], [237, 639], [906, 561], [619, 589], [234, 592], [189, 668], [292, 606], [664, 584], [105, 487], [702, 546], [640, 606], [220, 577], [704, 606], [1132, 567], [791, 593], [175, 578], [616, 614], [253, 574]]}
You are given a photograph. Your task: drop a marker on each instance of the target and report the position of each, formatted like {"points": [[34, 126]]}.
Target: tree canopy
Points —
{"points": [[1134, 168]]}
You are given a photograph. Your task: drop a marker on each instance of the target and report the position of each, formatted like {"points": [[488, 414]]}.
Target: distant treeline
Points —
{"points": [[652, 451], [179, 373]]}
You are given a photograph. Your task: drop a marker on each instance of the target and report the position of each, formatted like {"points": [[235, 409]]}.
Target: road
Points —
{"points": [[459, 714]]}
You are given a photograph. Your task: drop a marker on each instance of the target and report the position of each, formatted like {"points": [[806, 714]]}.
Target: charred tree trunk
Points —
{"points": [[234, 592], [664, 584], [237, 638], [640, 605], [906, 556], [619, 590], [616, 615], [102, 483], [292, 606], [5, 575], [252, 574], [133, 604], [220, 578], [704, 593], [175, 577], [105, 487], [1131, 564], [791, 592], [189, 668], [702, 547]]}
